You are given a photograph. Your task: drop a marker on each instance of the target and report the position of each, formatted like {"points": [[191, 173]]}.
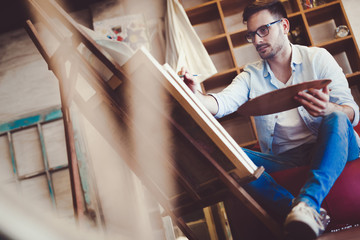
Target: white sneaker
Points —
{"points": [[304, 222]]}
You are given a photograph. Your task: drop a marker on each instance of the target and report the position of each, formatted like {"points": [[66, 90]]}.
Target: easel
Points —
{"points": [[218, 180]]}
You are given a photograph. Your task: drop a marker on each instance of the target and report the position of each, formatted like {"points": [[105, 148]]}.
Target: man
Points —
{"points": [[319, 133]]}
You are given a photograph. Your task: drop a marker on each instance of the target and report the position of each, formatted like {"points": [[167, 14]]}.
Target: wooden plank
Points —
{"points": [[12, 155], [78, 201], [209, 218], [46, 165]]}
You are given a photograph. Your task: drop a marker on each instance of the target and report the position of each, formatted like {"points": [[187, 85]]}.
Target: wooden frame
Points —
{"points": [[199, 142], [37, 121]]}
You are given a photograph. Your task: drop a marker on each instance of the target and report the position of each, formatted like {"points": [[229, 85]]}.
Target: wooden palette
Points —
{"points": [[278, 100]]}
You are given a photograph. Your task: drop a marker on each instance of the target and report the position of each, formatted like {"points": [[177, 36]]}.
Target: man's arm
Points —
{"points": [[207, 100], [317, 103]]}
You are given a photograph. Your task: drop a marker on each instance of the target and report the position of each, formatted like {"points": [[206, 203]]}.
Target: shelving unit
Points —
{"points": [[220, 27]]}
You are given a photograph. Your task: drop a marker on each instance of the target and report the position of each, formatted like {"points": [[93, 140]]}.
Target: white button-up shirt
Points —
{"points": [[307, 63]]}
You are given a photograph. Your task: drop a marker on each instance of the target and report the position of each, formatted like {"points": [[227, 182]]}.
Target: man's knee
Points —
{"points": [[337, 119], [337, 116]]}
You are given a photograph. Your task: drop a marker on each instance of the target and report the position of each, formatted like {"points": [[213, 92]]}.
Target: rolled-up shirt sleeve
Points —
{"points": [[233, 96], [340, 92]]}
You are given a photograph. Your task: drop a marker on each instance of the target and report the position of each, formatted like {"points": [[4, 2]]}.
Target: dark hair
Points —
{"points": [[275, 7]]}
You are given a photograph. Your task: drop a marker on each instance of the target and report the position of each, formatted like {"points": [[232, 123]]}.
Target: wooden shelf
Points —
{"points": [[206, 20], [354, 78], [220, 52], [291, 6], [336, 42], [220, 80], [203, 13], [299, 33], [346, 45], [219, 25], [216, 44], [233, 14], [189, 5], [325, 5], [238, 38]]}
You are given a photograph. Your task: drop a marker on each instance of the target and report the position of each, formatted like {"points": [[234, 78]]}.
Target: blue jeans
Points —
{"points": [[335, 146]]}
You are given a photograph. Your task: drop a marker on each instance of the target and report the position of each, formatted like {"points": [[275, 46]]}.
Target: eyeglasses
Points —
{"points": [[262, 31]]}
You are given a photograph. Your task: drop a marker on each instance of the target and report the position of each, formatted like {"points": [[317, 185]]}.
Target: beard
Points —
{"points": [[263, 49], [267, 51]]}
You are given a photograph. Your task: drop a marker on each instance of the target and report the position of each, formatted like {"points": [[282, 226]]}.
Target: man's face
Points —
{"points": [[267, 46]]}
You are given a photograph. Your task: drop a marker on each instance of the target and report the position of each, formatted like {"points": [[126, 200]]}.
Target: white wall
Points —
{"points": [[352, 9], [26, 85]]}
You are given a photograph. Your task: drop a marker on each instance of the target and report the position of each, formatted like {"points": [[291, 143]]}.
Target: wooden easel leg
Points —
{"points": [[185, 229]]}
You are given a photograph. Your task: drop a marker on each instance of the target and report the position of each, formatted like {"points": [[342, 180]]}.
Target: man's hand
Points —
{"points": [[209, 101], [188, 79], [316, 101]]}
